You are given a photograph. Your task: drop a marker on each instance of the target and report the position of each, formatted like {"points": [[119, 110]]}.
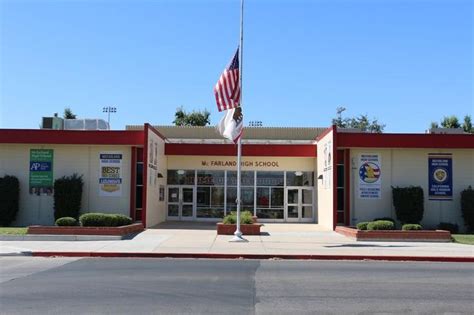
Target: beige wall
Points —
{"points": [[249, 163], [325, 164], [68, 159], [155, 209], [405, 167]]}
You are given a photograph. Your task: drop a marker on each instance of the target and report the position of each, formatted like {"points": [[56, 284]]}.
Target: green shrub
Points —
{"points": [[245, 218], [9, 199], [385, 219], [380, 225], [467, 207], [66, 221], [123, 219], [362, 225], [451, 227], [104, 219], [411, 227], [67, 196], [408, 203]]}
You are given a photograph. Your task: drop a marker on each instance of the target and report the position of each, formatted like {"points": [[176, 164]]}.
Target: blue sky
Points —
{"points": [[404, 62]]}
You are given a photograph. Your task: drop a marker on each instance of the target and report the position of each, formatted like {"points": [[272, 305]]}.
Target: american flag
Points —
{"points": [[227, 89]]}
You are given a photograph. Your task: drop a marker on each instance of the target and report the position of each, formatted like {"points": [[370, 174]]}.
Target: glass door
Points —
{"points": [[180, 202], [292, 213], [299, 204]]}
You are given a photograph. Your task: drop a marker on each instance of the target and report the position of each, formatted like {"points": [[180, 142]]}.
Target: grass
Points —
{"points": [[464, 238], [13, 230]]}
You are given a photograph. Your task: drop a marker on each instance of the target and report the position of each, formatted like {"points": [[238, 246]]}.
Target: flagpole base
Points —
{"points": [[238, 237]]}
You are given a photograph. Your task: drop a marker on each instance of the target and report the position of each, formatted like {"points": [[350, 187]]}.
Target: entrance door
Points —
{"points": [[299, 204], [180, 202]]}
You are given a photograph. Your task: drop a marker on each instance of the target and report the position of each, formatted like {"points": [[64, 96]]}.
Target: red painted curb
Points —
{"points": [[251, 256]]}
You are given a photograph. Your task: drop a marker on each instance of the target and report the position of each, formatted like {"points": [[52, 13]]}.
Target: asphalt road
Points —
{"points": [[178, 286]]}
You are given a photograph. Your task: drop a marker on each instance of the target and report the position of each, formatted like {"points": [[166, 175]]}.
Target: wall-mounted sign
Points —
{"points": [[110, 179], [370, 176], [440, 176], [41, 171], [327, 170], [232, 164]]}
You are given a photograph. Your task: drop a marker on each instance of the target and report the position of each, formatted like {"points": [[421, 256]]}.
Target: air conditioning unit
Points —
{"points": [[54, 123]]}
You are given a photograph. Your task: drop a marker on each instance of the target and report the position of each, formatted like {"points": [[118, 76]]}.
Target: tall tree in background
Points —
{"points": [[450, 122], [453, 122], [68, 114], [361, 122], [195, 118], [467, 125]]}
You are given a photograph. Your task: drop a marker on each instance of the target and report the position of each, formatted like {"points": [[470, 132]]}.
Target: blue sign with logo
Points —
{"points": [[440, 176], [40, 166]]}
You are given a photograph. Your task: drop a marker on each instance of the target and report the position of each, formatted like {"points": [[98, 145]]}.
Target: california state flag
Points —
{"points": [[231, 125]]}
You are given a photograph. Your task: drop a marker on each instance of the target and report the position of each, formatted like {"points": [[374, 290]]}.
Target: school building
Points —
{"points": [[327, 176]]}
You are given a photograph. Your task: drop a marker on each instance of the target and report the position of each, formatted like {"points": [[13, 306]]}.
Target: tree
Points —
{"points": [[467, 125], [450, 122], [453, 122], [68, 114], [361, 122], [195, 118]]}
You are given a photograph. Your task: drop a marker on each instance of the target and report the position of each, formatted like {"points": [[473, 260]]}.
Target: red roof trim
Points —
{"points": [[43, 136], [288, 150], [387, 140]]}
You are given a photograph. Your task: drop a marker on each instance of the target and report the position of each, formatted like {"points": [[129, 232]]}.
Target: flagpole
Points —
{"points": [[238, 234]]}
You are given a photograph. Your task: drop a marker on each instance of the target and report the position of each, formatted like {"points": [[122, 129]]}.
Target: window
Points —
{"points": [[210, 194], [180, 177], [270, 195], [300, 178]]}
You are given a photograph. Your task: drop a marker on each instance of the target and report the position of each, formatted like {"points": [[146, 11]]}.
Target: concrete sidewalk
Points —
{"points": [[276, 240]]}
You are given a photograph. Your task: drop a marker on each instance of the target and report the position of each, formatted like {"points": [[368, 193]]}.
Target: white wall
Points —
{"points": [[156, 159], [68, 159], [325, 196], [405, 167]]}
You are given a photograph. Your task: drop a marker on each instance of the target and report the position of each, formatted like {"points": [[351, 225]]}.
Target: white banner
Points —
{"points": [[327, 170], [110, 174], [370, 176]]}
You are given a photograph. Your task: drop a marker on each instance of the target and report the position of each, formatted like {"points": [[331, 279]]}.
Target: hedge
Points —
{"points": [[66, 221], [9, 199], [451, 227], [245, 218], [467, 207], [385, 219], [408, 203], [380, 225], [411, 227], [67, 196], [104, 219], [362, 225]]}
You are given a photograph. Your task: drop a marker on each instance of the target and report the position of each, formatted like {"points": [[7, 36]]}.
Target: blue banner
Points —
{"points": [[440, 176]]}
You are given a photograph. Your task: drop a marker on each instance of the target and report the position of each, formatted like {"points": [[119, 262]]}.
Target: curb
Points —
{"points": [[60, 238], [251, 256]]}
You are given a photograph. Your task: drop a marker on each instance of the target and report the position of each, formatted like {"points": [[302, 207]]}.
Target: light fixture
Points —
{"points": [[180, 172], [160, 175], [320, 176], [298, 173]]}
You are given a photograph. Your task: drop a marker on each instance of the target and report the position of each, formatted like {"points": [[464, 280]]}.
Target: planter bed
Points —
{"points": [[395, 235], [246, 229], [86, 230]]}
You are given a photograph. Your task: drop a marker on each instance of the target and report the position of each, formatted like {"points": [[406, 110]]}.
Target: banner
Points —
{"points": [[110, 179], [370, 176], [440, 176], [41, 171], [327, 170]]}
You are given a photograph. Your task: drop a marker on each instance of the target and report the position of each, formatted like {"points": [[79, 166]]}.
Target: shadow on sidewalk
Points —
{"points": [[364, 245], [182, 225]]}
